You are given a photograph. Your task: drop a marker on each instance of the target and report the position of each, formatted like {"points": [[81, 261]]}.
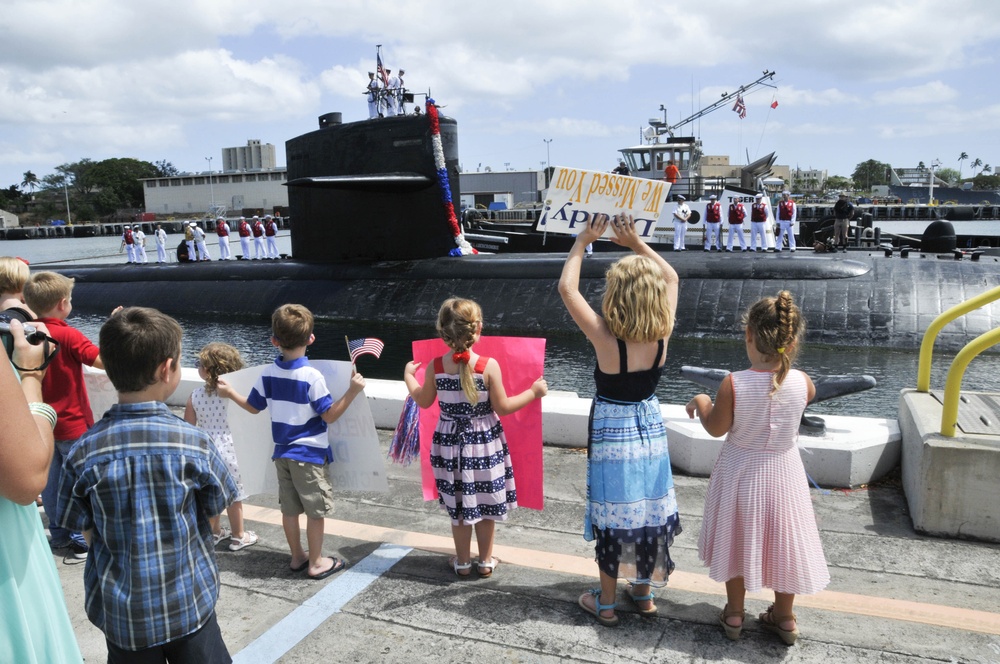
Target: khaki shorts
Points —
{"points": [[303, 487]]}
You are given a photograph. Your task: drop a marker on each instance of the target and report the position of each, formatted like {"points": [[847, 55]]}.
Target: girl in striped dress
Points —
{"points": [[759, 528], [469, 456], [631, 512]]}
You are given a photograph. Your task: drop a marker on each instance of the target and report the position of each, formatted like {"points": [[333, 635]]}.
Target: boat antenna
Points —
{"points": [[723, 101]]}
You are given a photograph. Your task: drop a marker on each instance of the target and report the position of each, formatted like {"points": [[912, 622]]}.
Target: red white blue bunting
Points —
{"points": [[463, 247]]}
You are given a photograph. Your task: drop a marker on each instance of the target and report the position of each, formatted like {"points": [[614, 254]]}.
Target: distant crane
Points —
{"points": [[659, 127]]}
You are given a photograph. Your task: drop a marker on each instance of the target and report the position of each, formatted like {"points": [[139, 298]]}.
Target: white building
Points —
{"points": [[253, 157], [193, 194], [8, 219]]}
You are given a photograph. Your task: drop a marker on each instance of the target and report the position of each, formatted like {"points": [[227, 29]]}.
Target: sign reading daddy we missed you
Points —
{"points": [[576, 196]]}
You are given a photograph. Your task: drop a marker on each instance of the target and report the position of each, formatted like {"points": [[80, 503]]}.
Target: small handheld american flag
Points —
{"points": [[364, 346]]}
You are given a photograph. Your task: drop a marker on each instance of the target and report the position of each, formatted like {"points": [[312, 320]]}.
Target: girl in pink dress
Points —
{"points": [[759, 528]]}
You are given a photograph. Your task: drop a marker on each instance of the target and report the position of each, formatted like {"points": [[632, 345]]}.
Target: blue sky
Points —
{"points": [[898, 81]]}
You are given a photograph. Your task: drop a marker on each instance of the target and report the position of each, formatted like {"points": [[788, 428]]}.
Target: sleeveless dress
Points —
{"points": [[759, 521], [211, 411], [469, 456], [35, 628], [631, 511]]}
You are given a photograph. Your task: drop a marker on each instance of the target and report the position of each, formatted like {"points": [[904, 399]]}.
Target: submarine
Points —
{"points": [[375, 239]]}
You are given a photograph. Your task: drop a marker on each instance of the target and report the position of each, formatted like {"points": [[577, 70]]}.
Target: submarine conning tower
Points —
{"points": [[369, 190]]}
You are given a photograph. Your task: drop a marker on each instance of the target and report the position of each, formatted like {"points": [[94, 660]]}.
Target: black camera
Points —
{"points": [[6, 316]]}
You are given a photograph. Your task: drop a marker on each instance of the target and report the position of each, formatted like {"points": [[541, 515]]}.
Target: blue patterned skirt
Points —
{"points": [[631, 507]]}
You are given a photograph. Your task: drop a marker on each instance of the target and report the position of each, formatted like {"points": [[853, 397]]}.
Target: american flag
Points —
{"points": [[739, 107], [365, 346], [381, 70]]}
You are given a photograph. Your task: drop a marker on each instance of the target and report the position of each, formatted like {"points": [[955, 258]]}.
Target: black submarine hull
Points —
{"points": [[373, 225], [856, 299]]}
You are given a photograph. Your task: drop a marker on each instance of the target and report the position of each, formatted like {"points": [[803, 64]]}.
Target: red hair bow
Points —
{"points": [[461, 358]]}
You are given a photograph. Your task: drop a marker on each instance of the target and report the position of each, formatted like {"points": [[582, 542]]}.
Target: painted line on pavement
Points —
{"points": [[287, 632], [951, 617]]}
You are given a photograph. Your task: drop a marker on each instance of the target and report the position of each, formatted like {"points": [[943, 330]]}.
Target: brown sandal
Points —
{"points": [[732, 632], [772, 623]]}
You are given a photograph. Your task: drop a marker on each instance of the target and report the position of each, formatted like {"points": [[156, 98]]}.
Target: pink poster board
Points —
{"points": [[522, 360]]}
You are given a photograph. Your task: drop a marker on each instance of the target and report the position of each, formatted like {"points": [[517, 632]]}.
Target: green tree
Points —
{"points": [[116, 183], [986, 182], [949, 175], [30, 181], [962, 157], [869, 173], [165, 169], [987, 169], [838, 182]]}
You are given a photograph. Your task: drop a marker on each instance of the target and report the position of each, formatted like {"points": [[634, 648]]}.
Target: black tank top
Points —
{"points": [[626, 386]]}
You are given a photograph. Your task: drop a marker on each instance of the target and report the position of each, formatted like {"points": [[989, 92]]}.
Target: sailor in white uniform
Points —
{"points": [[681, 215], [140, 245], [161, 244], [374, 89], [786, 222], [392, 91], [271, 237], [222, 230], [758, 218], [199, 241]]}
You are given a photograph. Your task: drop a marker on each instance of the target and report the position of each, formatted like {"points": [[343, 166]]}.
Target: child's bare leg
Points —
{"points": [[314, 535], [462, 534], [235, 514], [216, 524], [783, 607], [485, 530], [735, 594], [290, 524]]}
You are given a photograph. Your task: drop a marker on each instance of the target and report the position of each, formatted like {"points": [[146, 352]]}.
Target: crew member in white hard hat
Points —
{"points": [[199, 241], [713, 224], [786, 222], [681, 215], [758, 217]]}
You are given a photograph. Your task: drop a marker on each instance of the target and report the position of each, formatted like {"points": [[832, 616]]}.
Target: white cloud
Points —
{"points": [[933, 92]]}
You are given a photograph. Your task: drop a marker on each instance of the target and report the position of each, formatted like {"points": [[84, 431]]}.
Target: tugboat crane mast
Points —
{"points": [[662, 128]]}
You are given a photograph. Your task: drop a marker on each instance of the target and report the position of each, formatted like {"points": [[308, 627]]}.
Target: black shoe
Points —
{"points": [[77, 550]]}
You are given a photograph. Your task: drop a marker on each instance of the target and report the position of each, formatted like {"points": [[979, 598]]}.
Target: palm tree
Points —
{"points": [[30, 181], [977, 163], [986, 169], [962, 157]]}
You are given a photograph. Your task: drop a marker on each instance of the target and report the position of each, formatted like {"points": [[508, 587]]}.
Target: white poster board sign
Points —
{"points": [[575, 196], [358, 464]]}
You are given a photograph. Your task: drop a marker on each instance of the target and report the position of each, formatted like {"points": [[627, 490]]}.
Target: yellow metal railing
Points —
{"points": [[953, 382]]}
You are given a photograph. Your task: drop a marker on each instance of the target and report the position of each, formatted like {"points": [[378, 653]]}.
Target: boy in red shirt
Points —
{"points": [[50, 296]]}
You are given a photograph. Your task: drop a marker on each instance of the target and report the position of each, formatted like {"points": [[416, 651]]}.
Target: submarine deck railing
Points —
{"points": [[953, 381]]}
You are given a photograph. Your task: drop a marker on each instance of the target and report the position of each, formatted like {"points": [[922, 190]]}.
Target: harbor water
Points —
{"points": [[569, 359]]}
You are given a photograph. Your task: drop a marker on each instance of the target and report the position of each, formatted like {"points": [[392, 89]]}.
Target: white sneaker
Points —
{"points": [[249, 539]]}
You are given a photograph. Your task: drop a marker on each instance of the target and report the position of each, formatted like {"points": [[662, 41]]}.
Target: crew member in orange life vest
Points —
{"points": [[128, 241], [758, 217], [244, 231], [271, 235], [258, 239], [713, 224], [737, 213], [786, 222], [222, 230]]}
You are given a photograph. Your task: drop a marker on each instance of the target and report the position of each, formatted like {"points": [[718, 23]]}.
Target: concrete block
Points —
{"points": [[951, 484]]}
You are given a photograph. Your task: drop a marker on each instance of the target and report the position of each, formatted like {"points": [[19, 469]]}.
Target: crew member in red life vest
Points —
{"points": [[258, 239], [737, 213], [271, 235], [758, 217], [244, 231], [128, 242], [222, 230], [713, 224], [786, 222]]}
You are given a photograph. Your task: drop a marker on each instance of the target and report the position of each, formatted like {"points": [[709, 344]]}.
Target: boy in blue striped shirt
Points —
{"points": [[141, 485], [301, 407]]}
